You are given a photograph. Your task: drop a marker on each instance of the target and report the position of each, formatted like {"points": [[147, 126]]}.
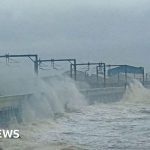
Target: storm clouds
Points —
{"points": [[113, 31]]}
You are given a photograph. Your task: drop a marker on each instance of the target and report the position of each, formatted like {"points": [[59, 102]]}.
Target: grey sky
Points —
{"points": [[113, 31]]}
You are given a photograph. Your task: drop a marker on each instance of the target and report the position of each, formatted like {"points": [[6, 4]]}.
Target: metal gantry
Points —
{"points": [[73, 65], [33, 58], [71, 61], [98, 66]]}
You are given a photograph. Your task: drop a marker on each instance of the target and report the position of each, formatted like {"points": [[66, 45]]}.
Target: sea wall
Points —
{"points": [[109, 94], [11, 108]]}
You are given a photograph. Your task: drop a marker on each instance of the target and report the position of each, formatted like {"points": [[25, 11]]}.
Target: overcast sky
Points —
{"points": [[113, 31]]}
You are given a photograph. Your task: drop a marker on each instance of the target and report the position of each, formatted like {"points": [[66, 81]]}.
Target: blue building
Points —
{"points": [[126, 69]]}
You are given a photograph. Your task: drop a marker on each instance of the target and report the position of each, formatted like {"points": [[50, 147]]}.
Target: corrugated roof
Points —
{"points": [[126, 68]]}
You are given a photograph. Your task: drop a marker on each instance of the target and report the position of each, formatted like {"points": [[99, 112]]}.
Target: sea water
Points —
{"points": [[103, 126]]}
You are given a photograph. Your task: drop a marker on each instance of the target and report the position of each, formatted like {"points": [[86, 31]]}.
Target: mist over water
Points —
{"points": [[115, 125]]}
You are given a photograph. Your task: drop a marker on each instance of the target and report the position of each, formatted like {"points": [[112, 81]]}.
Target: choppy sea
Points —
{"points": [[122, 125]]}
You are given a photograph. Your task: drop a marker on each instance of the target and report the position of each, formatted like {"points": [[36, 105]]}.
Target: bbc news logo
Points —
{"points": [[9, 134]]}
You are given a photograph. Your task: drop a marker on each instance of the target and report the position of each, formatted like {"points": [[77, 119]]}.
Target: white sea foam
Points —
{"points": [[107, 126], [136, 93], [51, 97]]}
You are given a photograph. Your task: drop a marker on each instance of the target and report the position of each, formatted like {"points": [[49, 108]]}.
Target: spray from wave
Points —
{"points": [[136, 93], [52, 97], [43, 97], [48, 98]]}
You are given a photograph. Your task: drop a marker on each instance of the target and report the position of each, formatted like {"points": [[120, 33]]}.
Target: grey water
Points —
{"points": [[116, 125]]}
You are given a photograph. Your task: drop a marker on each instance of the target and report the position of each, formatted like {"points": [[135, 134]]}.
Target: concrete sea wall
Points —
{"points": [[109, 94]]}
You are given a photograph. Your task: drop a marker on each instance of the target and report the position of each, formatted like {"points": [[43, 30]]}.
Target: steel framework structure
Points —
{"points": [[31, 56], [71, 61], [98, 66]]}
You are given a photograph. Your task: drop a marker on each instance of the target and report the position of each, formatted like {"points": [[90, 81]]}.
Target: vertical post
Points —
{"points": [[104, 75], [36, 64], [143, 76], [125, 75], [118, 77], [146, 76], [75, 70], [97, 73], [71, 70]]}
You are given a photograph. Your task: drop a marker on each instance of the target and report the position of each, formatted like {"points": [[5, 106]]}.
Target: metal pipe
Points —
{"points": [[7, 56]]}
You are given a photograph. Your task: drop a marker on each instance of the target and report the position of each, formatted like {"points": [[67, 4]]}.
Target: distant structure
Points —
{"points": [[128, 71], [103, 75]]}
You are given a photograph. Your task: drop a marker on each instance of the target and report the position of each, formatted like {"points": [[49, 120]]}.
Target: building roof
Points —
{"points": [[127, 69]]}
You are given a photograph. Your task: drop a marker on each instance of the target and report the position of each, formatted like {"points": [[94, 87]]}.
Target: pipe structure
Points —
{"points": [[92, 64], [101, 65], [72, 63], [31, 56], [143, 76]]}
